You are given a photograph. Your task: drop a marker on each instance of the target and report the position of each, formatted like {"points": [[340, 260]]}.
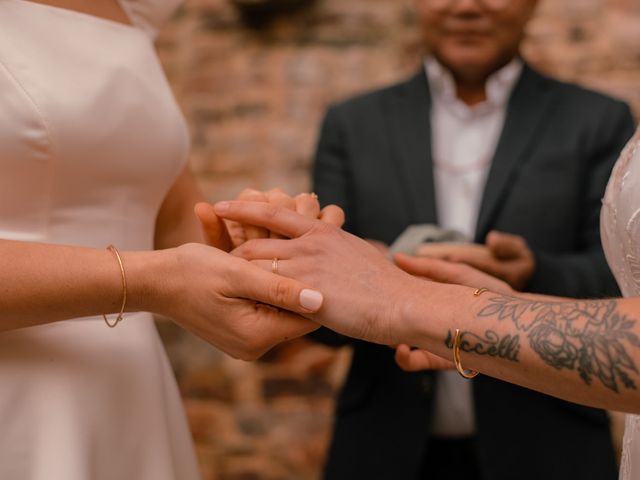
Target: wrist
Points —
{"points": [[432, 311], [414, 310], [147, 273]]}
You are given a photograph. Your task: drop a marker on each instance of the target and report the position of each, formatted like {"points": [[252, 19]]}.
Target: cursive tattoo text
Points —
{"points": [[490, 344]]}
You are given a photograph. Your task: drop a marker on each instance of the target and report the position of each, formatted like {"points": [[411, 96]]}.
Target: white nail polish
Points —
{"points": [[311, 300]]}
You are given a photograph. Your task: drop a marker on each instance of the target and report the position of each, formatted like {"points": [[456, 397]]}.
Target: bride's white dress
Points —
{"points": [[620, 226], [90, 141]]}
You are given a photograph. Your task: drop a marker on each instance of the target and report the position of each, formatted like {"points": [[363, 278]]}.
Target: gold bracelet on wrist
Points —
{"points": [[457, 339], [124, 290]]}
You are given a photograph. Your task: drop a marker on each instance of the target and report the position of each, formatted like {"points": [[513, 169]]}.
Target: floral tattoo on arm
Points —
{"points": [[590, 337]]}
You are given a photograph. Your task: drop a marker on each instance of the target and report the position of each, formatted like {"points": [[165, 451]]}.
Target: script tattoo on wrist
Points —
{"points": [[590, 337], [489, 344]]}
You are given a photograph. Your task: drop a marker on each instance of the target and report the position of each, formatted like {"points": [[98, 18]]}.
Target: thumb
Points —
{"points": [[415, 360], [214, 228], [412, 265], [265, 287], [432, 268]]}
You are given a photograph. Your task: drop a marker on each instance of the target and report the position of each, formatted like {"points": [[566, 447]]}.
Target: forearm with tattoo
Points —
{"points": [[591, 337]]}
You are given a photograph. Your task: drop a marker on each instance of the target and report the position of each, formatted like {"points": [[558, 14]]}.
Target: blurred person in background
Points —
{"points": [[480, 143]]}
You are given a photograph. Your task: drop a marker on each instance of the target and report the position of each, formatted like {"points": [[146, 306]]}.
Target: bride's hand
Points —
{"points": [[347, 270], [229, 234], [223, 299]]}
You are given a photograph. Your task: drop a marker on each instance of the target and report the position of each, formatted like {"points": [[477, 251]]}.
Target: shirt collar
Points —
{"points": [[499, 86]]}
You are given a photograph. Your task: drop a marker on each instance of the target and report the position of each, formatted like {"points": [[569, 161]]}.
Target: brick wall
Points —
{"points": [[254, 98]]}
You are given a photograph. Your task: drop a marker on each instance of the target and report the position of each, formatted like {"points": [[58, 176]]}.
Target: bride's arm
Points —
{"points": [[214, 295], [41, 283], [412, 359], [585, 351]]}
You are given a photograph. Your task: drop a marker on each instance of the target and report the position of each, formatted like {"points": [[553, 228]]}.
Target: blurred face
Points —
{"points": [[474, 38]]}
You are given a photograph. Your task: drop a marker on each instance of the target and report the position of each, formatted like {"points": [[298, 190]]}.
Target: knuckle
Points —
{"points": [[247, 250], [280, 292], [308, 248], [270, 211], [242, 250], [232, 270]]}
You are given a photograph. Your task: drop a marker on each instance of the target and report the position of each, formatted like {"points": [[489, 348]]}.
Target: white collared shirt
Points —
{"points": [[463, 142]]}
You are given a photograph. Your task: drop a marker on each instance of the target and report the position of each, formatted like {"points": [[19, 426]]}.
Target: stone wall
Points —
{"points": [[254, 98]]}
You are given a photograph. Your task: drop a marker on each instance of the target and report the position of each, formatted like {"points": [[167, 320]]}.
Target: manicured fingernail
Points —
{"points": [[311, 300], [222, 207]]}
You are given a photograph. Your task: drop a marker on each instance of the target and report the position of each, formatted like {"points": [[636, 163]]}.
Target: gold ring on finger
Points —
{"points": [[274, 265]]}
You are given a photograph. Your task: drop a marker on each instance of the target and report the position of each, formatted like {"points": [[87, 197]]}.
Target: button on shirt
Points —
{"points": [[464, 141]]}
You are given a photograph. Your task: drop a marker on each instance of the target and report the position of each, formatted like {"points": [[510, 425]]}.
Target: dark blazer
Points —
{"points": [[550, 169]]}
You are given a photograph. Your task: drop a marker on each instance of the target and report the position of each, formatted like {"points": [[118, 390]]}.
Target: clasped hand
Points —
{"points": [[363, 292], [365, 295], [236, 306]]}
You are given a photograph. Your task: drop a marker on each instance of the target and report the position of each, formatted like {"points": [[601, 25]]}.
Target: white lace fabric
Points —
{"points": [[620, 227]]}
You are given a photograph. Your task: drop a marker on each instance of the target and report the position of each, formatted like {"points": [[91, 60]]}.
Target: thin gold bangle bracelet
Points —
{"points": [[457, 338], [124, 290]]}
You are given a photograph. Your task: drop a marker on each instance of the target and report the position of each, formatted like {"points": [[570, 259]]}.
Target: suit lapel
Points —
{"points": [[409, 112], [527, 106]]}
